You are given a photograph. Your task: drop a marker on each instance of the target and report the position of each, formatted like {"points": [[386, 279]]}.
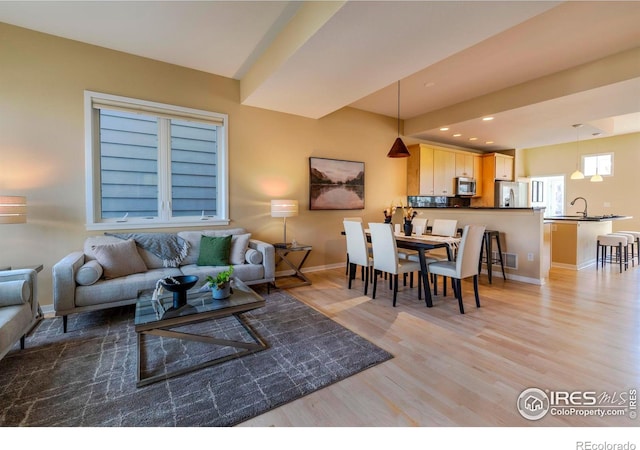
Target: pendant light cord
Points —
{"points": [[398, 108]]}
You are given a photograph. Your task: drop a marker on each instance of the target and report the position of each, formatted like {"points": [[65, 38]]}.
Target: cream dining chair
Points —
{"points": [[357, 251], [465, 264], [350, 219], [385, 257], [444, 227], [420, 225]]}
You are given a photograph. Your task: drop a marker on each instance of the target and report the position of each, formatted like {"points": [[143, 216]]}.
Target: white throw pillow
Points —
{"points": [[239, 246]]}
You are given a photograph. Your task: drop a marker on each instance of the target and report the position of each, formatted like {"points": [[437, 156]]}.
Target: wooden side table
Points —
{"points": [[283, 252]]}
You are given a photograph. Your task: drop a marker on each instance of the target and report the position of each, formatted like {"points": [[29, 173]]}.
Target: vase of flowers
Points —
{"points": [[220, 284], [408, 220], [388, 213]]}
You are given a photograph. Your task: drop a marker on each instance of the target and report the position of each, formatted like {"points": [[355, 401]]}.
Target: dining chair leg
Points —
{"points": [[395, 288], [459, 295], [366, 280], [475, 290], [352, 273], [375, 283], [434, 281]]}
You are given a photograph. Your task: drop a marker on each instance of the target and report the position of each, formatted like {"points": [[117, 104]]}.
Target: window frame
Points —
{"points": [[94, 221], [596, 155]]}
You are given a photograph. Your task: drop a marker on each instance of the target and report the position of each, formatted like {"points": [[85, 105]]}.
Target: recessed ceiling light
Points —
{"points": [[444, 129], [489, 142], [473, 139], [486, 119], [457, 135], [429, 84]]}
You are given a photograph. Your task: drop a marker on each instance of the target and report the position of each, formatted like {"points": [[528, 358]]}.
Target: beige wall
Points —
{"points": [[620, 190], [42, 82]]}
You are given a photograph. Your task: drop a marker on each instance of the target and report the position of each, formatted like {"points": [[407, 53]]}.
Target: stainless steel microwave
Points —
{"points": [[465, 187]]}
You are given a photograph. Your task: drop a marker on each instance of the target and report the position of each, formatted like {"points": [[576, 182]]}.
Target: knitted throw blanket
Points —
{"points": [[170, 248]]}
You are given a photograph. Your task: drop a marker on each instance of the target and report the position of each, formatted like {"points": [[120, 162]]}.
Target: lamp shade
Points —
{"points": [[398, 150], [13, 209], [284, 208]]}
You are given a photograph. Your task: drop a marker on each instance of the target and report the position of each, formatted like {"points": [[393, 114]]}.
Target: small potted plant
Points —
{"points": [[219, 284]]}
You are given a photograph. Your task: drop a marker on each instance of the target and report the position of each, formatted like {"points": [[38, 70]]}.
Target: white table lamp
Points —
{"points": [[284, 209]]}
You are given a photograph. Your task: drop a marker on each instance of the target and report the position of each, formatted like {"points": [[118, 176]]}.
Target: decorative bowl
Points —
{"points": [[184, 283], [179, 288]]}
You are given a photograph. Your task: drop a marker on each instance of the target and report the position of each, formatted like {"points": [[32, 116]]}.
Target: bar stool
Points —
{"points": [[636, 235], [611, 242], [631, 243], [487, 246]]}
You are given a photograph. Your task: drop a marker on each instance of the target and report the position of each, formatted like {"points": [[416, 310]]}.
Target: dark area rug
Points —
{"points": [[87, 377]]}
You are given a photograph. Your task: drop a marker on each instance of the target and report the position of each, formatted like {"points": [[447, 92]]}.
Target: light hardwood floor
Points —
{"points": [[580, 331]]}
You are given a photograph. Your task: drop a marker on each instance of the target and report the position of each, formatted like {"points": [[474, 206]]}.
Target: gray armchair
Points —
{"points": [[18, 307]]}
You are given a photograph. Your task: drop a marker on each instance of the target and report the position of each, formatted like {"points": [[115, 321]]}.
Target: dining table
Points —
{"points": [[423, 243]]}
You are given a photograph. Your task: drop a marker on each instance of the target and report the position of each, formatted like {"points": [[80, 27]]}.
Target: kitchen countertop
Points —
{"points": [[474, 208], [580, 218]]}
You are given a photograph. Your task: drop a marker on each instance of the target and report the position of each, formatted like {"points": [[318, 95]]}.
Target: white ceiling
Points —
{"points": [[537, 67]]}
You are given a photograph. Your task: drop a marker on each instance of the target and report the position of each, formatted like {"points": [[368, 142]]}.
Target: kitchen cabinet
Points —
{"points": [[431, 170], [495, 166], [444, 172], [503, 167], [464, 165], [420, 170]]}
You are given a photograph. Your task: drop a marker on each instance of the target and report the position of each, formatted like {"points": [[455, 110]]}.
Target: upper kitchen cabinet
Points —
{"points": [[431, 170], [444, 172], [420, 170], [498, 166], [464, 165]]}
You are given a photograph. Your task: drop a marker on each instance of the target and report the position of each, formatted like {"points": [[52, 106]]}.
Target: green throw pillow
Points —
{"points": [[214, 251]]}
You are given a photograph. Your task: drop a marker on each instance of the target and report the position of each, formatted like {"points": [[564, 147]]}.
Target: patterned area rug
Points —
{"points": [[87, 377]]}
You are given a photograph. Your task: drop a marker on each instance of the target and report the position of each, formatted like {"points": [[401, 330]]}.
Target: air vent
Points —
{"points": [[510, 260]]}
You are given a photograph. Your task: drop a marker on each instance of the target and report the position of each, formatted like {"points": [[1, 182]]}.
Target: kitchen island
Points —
{"points": [[573, 238], [524, 237]]}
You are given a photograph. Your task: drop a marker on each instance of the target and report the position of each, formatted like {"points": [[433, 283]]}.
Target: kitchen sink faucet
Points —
{"points": [[584, 213]]}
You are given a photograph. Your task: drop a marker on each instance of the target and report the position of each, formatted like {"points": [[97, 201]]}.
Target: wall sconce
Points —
{"points": [[13, 209], [284, 209]]}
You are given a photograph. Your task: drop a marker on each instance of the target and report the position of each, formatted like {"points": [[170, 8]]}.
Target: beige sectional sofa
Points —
{"points": [[81, 283]]}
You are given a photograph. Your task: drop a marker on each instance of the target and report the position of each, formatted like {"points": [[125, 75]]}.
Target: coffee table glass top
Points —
{"points": [[149, 311]]}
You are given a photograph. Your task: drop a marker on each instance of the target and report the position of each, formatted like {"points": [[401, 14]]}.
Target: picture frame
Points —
{"points": [[335, 184]]}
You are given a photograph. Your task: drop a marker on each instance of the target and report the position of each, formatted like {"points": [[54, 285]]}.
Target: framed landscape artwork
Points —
{"points": [[336, 184]]}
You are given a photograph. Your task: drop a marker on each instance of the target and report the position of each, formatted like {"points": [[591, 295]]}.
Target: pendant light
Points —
{"points": [[577, 175], [597, 178], [398, 150]]}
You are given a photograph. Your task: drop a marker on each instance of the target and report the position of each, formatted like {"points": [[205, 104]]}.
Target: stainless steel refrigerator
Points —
{"points": [[511, 194]]}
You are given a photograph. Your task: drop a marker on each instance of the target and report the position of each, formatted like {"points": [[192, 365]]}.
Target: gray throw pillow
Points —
{"points": [[253, 256], [89, 273], [15, 292], [119, 259]]}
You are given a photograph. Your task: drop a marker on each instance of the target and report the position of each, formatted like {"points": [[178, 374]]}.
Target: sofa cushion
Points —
{"points": [[253, 256], [15, 292], [193, 238], [214, 250], [89, 273], [119, 258], [239, 246]]}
